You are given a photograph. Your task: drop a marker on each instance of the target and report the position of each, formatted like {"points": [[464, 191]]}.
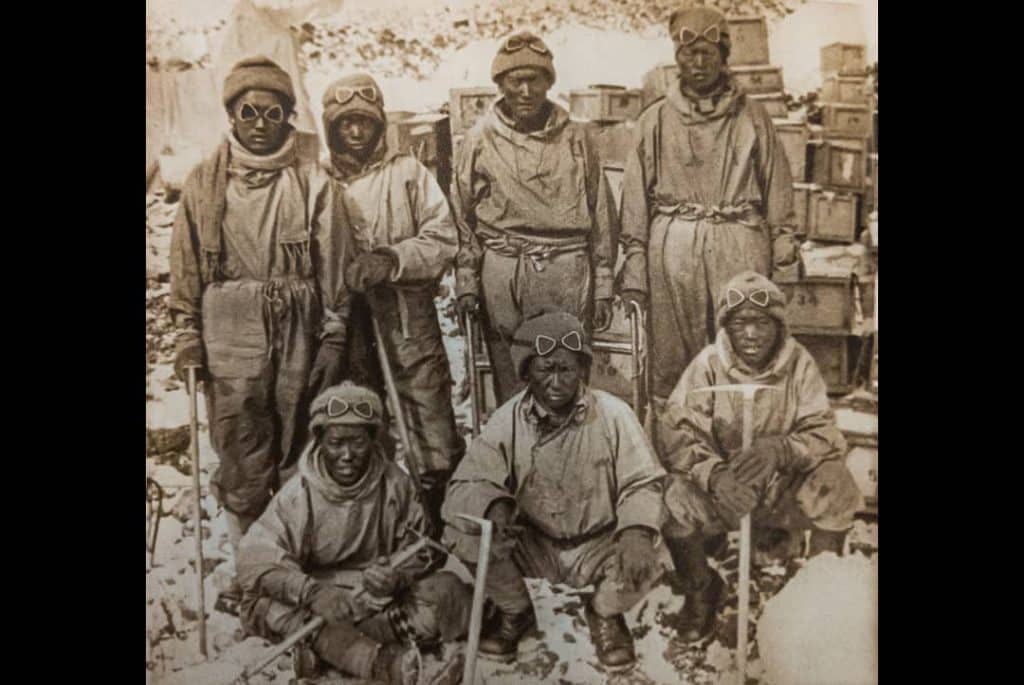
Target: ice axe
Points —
{"points": [[747, 390], [198, 510], [472, 373], [476, 616]]}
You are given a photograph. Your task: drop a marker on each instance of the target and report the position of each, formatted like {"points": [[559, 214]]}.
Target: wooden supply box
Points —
{"points": [[862, 461], [820, 304], [833, 217], [613, 371], [469, 104], [605, 103], [427, 137], [758, 78], [774, 104], [657, 81], [801, 200], [847, 89], [843, 59], [839, 117], [749, 40], [794, 136], [839, 163], [832, 352]]}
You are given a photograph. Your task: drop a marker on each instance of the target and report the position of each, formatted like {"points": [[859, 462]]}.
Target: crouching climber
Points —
{"points": [[791, 479], [322, 548], [574, 490]]}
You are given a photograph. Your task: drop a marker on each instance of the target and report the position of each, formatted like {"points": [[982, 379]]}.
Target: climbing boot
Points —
{"points": [[501, 635], [612, 640], [697, 619]]}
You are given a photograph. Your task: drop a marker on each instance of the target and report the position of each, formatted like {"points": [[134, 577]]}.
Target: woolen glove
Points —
{"points": [[467, 303], [785, 250], [369, 270], [331, 602], [735, 497], [380, 580], [755, 465], [637, 558], [630, 296], [190, 353], [327, 365], [505, 535], [602, 314]]}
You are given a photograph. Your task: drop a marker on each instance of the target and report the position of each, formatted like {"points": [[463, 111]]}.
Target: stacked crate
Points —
{"points": [[427, 137], [831, 308]]}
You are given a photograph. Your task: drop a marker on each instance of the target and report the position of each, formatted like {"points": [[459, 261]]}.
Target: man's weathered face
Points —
{"points": [[701, 66], [347, 451], [753, 335], [259, 119], [554, 379], [357, 133], [525, 91]]}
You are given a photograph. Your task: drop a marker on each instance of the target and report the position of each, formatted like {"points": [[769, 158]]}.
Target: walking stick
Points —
{"points": [[412, 450], [638, 349], [197, 514], [476, 616], [747, 390], [474, 377]]}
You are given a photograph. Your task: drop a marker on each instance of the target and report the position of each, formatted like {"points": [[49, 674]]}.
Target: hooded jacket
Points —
{"points": [[701, 430], [542, 184]]}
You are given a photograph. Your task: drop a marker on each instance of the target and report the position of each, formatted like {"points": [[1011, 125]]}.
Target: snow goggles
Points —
{"points": [[515, 44], [734, 298], [273, 114], [545, 344], [338, 407], [343, 94], [712, 34]]}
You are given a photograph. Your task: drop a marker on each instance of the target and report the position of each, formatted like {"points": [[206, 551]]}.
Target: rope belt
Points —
{"points": [[537, 250], [746, 213]]}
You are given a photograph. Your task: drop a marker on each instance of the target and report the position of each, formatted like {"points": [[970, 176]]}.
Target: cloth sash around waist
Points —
{"points": [[746, 213]]}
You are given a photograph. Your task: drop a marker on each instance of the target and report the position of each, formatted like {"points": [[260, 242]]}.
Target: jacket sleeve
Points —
{"points": [[604, 220], [688, 443], [638, 475], [186, 280], [330, 234], [814, 437], [429, 253], [776, 187], [269, 554], [412, 527], [483, 477], [636, 211], [470, 252]]}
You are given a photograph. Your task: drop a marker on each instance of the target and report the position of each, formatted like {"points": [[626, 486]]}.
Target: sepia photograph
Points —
{"points": [[531, 342]]}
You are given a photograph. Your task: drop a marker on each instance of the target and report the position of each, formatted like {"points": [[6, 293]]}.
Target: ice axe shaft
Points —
{"points": [[400, 558], [747, 390], [412, 453], [197, 513], [471, 372], [476, 616]]}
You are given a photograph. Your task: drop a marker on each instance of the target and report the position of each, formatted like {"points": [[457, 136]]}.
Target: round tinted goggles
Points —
{"points": [[273, 114], [734, 298], [343, 94], [338, 407], [688, 36]]}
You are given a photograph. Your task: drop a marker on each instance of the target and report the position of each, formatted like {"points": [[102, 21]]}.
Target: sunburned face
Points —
{"points": [[753, 335], [357, 133], [347, 451], [555, 378], [259, 119], [701, 66], [525, 91]]}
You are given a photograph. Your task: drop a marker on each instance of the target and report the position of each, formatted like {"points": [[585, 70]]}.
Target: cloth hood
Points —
{"points": [[736, 295], [504, 126], [313, 469]]}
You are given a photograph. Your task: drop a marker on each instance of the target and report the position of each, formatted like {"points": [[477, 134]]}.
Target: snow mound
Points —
{"points": [[823, 626]]}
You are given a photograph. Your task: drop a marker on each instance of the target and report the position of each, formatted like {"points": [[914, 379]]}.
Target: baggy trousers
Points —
{"points": [[260, 338]]}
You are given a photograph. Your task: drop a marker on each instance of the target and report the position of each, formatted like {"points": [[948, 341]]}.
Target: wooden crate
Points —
{"points": [[605, 103], [801, 200], [469, 104], [820, 304], [613, 371], [843, 59], [833, 217], [874, 182], [862, 460], [748, 37], [839, 164], [758, 78], [839, 117], [848, 89], [427, 137], [774, 104], [657, 81], [793, 135], [832, 354]]}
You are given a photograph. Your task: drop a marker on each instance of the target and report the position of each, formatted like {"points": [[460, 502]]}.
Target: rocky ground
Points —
{"points": [[561, 651]]}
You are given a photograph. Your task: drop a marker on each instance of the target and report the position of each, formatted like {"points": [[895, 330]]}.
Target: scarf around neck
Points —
{"points": [[313, 469], [256, 171]]}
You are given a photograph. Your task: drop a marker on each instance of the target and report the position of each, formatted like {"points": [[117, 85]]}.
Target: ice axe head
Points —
{"points": [[486, 525]]}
